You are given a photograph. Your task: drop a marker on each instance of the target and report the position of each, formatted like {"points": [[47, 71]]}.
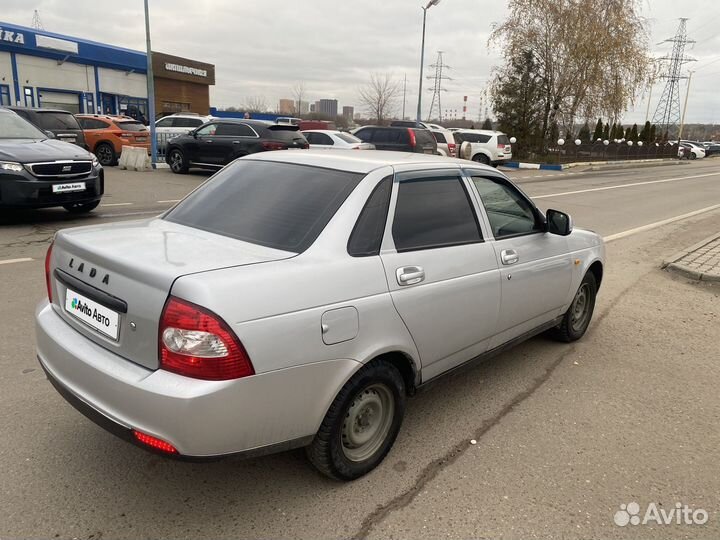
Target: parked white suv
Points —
{"points": [[178, 124], [483, 146]]}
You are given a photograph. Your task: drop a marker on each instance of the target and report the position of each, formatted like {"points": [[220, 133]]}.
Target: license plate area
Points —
{"points": [[70, 187], [93, 314]]}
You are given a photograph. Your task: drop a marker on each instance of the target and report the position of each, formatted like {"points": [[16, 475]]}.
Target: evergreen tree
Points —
{"points": [[628, 134], [653, 133], [606, 132], [645, 133], [584, 133], [633, 133], [598, 134], [620, 133], [613, 131], [487, 124]]}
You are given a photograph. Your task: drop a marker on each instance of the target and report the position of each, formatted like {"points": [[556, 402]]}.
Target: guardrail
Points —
{"points": [[598, 151]]}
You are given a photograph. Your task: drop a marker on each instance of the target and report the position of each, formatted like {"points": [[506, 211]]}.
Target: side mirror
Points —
{"points": [[50, 134], [558, 222], [194, 133]]}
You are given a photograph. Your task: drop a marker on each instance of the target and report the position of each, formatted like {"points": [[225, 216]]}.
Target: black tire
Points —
{"points": [[577, 318], [481, 158], [336, 456], [105, 154], [81, 208], [176, 160], [692, 155]]}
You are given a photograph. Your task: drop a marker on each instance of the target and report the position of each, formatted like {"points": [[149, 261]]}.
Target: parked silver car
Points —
{"points": [[297, 298]]}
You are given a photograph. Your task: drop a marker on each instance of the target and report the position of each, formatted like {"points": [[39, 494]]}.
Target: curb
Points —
{"points": [[672, 264], [535, 166], [593, 165]]}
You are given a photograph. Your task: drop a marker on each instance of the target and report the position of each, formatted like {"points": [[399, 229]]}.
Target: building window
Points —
{"points": [[134, 107], [29, 96], [89, 104], [174, 106], [5, 95]]}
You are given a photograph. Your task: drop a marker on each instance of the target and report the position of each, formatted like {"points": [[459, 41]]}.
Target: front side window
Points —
{"points": [[277, 205], [207, 131], [509, 212], [433, 212]]}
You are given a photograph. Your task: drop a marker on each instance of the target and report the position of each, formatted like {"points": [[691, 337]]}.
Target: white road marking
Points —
{"points": [[169, 201], [117, 204], [620, 186], [13, 261], [650, 226]]}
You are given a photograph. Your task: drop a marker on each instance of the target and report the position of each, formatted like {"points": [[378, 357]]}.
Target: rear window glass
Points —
{"points": [[57, 120], [423, 136], [278, 205], [131, 126], [285, 134], [503, 139], [439, 137], [352, 139]]}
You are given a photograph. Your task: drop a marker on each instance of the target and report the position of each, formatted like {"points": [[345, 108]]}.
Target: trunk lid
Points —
{"points": [[126, 271]]}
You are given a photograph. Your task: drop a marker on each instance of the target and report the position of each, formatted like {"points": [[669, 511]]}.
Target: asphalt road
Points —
{"points": [[564, 434]]}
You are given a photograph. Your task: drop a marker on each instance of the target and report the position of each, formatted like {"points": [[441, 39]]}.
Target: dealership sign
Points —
{"points": [[185, 69], [12, 37]]}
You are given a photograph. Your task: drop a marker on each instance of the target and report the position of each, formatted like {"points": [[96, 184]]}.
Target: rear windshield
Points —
{"points": [[423, 136], [278, 205], [286, 134], [57, 120], [131, 126], [352, 139], [503, 139], [439, 137]]}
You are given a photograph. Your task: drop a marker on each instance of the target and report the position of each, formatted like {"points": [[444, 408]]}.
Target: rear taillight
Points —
{"points": [[270, 145], [154, 442], [48, 276], [413, 141], [452, 149], [195, 342], [501, 146]]}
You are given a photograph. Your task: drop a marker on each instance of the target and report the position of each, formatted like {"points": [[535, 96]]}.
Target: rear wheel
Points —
{"points": [[481, 158], [361, 425], [105, 154], [692, 155], [176, 160], [81, 208], [577, 318]]}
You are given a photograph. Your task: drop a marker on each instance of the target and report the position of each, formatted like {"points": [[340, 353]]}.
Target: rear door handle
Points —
{"points": [[409, 275], [509, 256]]}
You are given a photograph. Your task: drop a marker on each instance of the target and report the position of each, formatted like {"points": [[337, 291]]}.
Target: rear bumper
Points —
{"points": [[201, 419], [23, 190]]}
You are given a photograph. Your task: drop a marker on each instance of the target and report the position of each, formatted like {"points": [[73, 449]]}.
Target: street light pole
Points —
{"points": [[150, 88], [430, 4]]}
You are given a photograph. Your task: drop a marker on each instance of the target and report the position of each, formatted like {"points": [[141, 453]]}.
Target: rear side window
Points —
{"points": [[131, 126], [286, 134], [277, 205], [393, 136], [439, 137], [187, 122], [433, 212], [57, 120], [423, 136], [474, 137], [92, 123], [367, 235]]}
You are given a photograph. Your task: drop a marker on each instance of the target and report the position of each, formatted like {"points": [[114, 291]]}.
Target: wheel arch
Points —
{"points": [[104, 141], [597, 270]]}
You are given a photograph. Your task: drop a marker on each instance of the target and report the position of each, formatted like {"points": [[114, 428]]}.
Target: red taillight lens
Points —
{"points": [[154, 442], [413, 141], [270, 145], [452, 149], [501, 146], [197, 343], [48, 276]]}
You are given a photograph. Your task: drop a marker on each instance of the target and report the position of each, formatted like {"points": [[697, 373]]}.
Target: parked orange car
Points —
{"points": [[105, 135]]}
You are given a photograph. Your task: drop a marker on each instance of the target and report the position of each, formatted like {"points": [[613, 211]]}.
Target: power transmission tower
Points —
{"points": [[36, 22], [437, 88], [667, 114]]}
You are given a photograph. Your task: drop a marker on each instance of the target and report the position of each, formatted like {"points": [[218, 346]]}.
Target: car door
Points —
{"points": [[442, 275], [203, 147], [233, 140], [535, 266]]}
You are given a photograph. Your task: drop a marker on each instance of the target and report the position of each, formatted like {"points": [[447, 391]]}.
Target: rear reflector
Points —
{"points": [[154, 442], [195, 342], [48, 276]]}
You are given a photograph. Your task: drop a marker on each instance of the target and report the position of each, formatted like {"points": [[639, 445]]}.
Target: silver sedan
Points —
{"points": [[298, 298]]}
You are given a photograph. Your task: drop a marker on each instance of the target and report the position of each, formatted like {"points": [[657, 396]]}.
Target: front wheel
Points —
{"points": [[577, 318], [81, 208], [176, 160], [692, 155], [362, 423]]}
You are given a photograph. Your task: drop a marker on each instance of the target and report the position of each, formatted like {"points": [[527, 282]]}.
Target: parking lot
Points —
{"points": [[563, 434]]}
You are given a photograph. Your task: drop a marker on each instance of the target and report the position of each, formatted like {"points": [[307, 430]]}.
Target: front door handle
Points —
{"points": [[509, 256], [409, 275]]}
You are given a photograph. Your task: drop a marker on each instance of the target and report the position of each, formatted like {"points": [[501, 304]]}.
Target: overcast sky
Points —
{"points": [[263, 47]]}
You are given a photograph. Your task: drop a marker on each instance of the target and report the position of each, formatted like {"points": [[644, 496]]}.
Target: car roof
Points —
{"points": [[349, 160], [113, 117], [333, 131], [39, 110], [394, 127], [249, 121], [481, 131]]}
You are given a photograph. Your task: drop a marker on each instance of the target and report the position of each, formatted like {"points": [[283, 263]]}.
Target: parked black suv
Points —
{"points": [[400, 139], [38, 172], [218, 142], [61, 124]]}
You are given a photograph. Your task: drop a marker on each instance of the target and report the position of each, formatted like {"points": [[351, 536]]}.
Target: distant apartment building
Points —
{"points": [[348, 112], [328, 107], [313, 107], [286, 106]]}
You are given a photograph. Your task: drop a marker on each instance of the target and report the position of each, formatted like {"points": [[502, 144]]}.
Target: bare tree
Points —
{"points": [[379, 96], [591, 56], [255, 104], [298, 91]]}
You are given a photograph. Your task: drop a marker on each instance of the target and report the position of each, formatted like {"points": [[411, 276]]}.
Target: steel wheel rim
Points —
{"points": [[104, 154], [580, 307], [175, 161], [367, 422]]}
